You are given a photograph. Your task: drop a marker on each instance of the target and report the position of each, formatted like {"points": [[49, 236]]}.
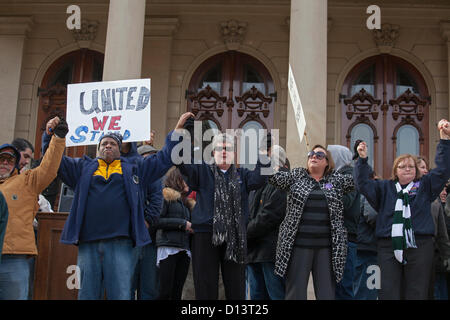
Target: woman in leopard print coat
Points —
{"points": [[302, 185]]}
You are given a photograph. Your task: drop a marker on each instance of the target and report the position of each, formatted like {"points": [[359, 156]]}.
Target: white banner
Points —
{"points": [[296, 105], [97, 108]]}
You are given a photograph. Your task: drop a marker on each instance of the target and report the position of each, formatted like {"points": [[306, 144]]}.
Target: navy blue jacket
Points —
{"points": [[153, 202], [382, 194], [138, 174], [200, 178]]}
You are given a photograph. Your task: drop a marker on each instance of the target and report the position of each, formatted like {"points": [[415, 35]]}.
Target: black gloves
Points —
{"points": [[61, 129]]}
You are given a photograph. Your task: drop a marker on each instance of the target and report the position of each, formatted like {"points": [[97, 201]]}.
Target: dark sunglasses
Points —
{"points": [[319, 155]]}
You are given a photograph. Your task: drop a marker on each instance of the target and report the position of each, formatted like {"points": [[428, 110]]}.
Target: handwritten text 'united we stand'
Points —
{"points": [[97, 108]]}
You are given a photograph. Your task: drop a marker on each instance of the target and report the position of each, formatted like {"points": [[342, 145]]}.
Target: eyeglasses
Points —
{"points": [[319, 155], [8, 159], [229, 149]]}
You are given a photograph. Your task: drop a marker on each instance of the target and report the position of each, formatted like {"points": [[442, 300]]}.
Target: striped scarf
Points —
{"points": [[402, 233]]}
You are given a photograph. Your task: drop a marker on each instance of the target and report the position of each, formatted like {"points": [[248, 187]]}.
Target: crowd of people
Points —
{"points": [[141, 219]]}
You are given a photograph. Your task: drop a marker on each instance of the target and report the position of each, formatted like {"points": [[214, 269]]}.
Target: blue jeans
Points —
{"points": [[146, 279], [106, 265], [345, 289], [264, 283], [14, 277], [364, 259]]}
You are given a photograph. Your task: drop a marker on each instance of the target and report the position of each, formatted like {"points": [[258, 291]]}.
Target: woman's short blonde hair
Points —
{"points": [[401, 158]]}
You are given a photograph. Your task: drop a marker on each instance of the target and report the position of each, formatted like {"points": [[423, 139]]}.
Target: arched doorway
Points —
{"points": [[74, 67], [233, 90], [385, 102]]}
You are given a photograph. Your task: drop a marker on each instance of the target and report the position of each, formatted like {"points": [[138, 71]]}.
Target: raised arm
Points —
{"points": [[282, 179], [41, 176], [439, 175], [368, 187], [155, 166]]}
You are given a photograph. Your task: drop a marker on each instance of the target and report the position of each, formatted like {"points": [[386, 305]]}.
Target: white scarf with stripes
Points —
{"points": [[402, 233]]}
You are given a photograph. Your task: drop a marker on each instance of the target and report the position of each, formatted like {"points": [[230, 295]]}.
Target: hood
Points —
{"points": [[170, 194], [17, 153], [342, 156], [133, 153]]}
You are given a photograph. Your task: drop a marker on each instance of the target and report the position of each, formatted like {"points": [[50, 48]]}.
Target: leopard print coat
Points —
{"points": [[298, 184]]}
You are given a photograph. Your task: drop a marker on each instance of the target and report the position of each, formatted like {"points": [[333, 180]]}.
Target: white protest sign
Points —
{"points": [[97, 108], [296, 105]]}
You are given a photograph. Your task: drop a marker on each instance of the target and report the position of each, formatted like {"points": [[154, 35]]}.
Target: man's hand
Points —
{"points": [[362, 150], [444, 129], [51, 125], [183, 119]]}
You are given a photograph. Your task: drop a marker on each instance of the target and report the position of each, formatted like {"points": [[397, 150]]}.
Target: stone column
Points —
{"points": [[445, 29], [124, 40], [308, 62], [12, 39], [158, 38]]}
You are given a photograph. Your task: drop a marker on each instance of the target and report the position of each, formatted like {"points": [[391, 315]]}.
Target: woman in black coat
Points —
{"points": [[172, 237]]}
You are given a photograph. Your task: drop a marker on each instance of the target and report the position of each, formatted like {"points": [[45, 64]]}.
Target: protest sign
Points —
{"points": [[296, 105], [97, 108]]}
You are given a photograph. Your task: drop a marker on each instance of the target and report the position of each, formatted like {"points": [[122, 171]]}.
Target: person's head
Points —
{"points": [[444, 193], [26, 151], [109, 147], [423, 165], [9, 160], [223, 150], [146, 150], [174, 180], [405, 169], [320, 161], [342, 156]]}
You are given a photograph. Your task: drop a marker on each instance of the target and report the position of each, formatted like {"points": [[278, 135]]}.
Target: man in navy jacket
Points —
{"points": [[107, 215]]}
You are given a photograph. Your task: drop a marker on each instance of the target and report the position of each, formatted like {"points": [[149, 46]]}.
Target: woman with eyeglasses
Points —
{"points": [[404, 226], [312, 236]]}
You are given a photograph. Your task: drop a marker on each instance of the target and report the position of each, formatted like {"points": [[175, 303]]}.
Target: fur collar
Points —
{"points": [[170, 194]]}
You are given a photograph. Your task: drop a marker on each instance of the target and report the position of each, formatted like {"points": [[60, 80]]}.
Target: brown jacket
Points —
{"points": [[21, 192]]}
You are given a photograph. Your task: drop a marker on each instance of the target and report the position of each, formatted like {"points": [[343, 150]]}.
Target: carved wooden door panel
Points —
{"points": [[231, 89], [78, 66], [385, 102], [234, 91]]}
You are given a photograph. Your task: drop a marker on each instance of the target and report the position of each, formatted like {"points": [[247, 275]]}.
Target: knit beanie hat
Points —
{"points": [[114, 135]]}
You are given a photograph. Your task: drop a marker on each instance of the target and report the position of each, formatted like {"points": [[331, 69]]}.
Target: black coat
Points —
{"points": [[171, 226], [352, 207], [267, 210], [366, 228]]}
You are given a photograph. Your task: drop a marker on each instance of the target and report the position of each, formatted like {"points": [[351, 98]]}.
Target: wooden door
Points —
{"points": [[75, 67], [233, 90], [386, 103]]}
